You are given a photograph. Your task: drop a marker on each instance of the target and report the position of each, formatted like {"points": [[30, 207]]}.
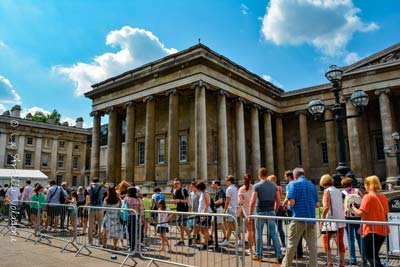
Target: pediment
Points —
{"points": [[383, 58]]}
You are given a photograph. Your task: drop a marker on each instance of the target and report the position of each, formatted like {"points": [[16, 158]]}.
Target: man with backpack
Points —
{"points": [[55, 195], [96, 194], [181, 199]]}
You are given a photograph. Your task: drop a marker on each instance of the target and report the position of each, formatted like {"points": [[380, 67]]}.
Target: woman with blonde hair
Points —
{"points": [[374, 207], [332, 209], [245, 192]]}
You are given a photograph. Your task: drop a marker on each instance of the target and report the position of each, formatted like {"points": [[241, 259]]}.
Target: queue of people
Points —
{"points": [[104, 220]]}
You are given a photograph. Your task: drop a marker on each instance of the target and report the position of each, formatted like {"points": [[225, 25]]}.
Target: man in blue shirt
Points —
{"points": [[53, 211], [303, 199]]}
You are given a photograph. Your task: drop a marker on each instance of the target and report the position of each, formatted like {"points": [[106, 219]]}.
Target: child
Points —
{"points": [[71, 200], [162, 228]]}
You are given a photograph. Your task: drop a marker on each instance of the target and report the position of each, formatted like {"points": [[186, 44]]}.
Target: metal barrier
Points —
{"points": [[321, 247], [20, 219], [59, 222], [168, 243], [108, 230]]}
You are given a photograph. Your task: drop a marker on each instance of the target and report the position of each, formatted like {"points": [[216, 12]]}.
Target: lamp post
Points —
{"points": [[316, 107], [388, 150]]}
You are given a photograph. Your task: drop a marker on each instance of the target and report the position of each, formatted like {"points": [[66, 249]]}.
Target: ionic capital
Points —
{"points": [[255, 106], [110, 109], [240, 100], [149, 98], [129, 104], [199, 84], [301, 112], [96, 113], [222, 92], [267, 111], [382, 91], [171, 92]]}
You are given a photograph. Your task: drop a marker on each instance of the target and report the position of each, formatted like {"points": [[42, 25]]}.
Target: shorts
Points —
{"points": [[53, 211], [183, 220], [203, 221], [219, 219], [233, 213], [162, 229]]}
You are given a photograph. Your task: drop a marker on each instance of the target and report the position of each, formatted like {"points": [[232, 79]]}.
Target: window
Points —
{"points": [[76, 147], [47, 142], [74, 180], [10, 159], [11, 139], [141, 153], [380, 154], [29, 140], [324, 152], [299, 153], [28, 159], [183, 148], [161, 150], [45, 160], [59, 179], [60, 162], [75, 162], [61, 144]]}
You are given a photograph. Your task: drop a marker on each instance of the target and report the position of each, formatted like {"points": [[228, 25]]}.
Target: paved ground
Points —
{"points": [[26, 253]]}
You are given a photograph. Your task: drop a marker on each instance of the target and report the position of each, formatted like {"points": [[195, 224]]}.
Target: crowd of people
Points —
{"points": [[102, 218]]}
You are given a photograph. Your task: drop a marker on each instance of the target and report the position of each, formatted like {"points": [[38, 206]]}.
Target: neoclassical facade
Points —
{"points": [[198, 115], [59, 151]]}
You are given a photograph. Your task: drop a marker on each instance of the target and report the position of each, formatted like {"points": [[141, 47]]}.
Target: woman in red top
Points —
{"points": [[374, 207]]}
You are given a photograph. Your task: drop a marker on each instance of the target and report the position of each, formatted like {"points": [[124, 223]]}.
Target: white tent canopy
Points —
{"points": [[22, 174]]}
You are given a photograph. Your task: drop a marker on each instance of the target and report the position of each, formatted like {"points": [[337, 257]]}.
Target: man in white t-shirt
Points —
{"points": [[13, 194], [231, 205]]}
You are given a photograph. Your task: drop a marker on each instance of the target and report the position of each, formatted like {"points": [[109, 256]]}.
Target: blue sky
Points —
{"points": [[51, 51]]}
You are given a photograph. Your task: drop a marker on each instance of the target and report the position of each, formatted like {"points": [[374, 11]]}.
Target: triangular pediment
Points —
{"points": [[386, 57]]}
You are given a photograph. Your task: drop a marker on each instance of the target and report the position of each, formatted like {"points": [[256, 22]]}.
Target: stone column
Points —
{"points": [[387, 130], [118, 149], [331, 141], [280, 146], [354, 140], [149, 160], [200, 132], [38, 153], [21, 150], [240, 139], [111, 143], [173, 134], [305, 151], [82, 163], [269, 145], [95, 153], [54, 158], [222, 136], [130, 143], [3, 146], [68, 163], [255, 141]]}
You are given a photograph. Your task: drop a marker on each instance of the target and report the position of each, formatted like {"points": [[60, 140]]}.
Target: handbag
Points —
{"points": [[124, 213], [329, 227]]}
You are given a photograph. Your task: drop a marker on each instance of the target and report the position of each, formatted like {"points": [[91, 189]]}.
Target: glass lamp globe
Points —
{"points": [[316, 108], [334, 74]]}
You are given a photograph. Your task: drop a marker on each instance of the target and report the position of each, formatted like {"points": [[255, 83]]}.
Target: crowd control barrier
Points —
{"points": [[114, 230], [189, 239]]}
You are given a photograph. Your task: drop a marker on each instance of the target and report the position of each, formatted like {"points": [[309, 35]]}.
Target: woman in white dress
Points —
{"points": [[111, 227], [244, 209]]}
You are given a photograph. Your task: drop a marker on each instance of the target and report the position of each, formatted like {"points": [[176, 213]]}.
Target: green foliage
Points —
{"points": [[42, 117]]}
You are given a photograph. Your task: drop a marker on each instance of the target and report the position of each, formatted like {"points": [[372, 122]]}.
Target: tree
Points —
{"points": [[39, 116], [42, 117], [54, 116]]}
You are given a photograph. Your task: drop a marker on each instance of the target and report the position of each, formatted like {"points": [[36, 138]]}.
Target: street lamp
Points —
{"points": [[316, 107], [388, 150]]}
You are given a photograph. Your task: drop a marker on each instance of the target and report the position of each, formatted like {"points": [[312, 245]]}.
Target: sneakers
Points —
{"points": [[180, 243], [280, 260], [240, 243], [283, 249], [190, 242], [224, 243]]}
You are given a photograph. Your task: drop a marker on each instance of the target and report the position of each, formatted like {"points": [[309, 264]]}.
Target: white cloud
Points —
{"points": [[269, 79], [2, 44], [137, 47], [8, 95], [327, 25], [34, 109], [351, 57], [244, 9], [2, 108]]}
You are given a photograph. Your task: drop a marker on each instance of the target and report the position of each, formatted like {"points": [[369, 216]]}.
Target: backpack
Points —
{"points": [[62, 196], [157, 198], [350, 200], [95, 196], [124, 213]]}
